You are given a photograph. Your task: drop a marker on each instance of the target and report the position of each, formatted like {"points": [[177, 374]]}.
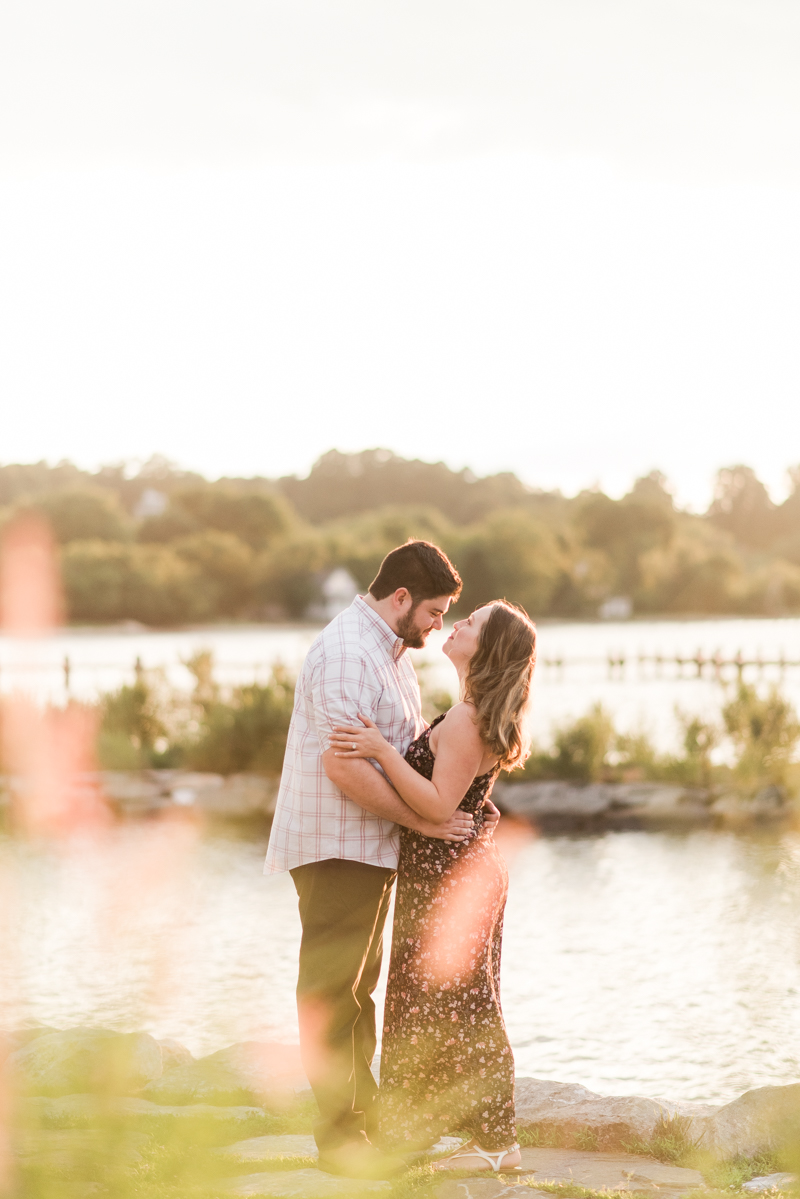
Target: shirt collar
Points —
{"points": [[394, 644]]}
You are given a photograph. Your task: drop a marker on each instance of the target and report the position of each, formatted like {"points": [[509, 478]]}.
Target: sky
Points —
{"points": [[558, 237]]}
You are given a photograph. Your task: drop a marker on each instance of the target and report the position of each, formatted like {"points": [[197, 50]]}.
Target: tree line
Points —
{"points": [[164, 546]]}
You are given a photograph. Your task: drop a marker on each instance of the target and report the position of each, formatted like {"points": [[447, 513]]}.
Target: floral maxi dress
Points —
{"points": [[446, 1063]]}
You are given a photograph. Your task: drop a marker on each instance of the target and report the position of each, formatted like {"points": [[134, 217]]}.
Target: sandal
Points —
{"points": [[472, 1150]]}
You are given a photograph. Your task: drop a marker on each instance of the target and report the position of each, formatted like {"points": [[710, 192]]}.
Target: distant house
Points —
{"points": [[337, 592], [617, 607], [151, 503]]}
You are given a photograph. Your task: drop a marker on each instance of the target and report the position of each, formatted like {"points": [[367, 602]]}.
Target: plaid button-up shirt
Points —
{"points": [[357, 664]]}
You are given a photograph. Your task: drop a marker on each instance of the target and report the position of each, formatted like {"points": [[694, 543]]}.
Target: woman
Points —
{"points": [[446, 1062]]}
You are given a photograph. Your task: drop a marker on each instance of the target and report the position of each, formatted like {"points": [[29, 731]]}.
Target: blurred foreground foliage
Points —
{"points": [[168, 1158], [163, 546]]}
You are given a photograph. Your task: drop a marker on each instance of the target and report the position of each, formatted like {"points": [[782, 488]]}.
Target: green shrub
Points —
{"points": [[700, 738], [765, 732], [244, 729], [133, 732], [581, 749], [245, 732]]}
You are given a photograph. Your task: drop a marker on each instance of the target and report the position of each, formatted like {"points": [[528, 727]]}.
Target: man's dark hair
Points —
{"points": [[422, 568]]}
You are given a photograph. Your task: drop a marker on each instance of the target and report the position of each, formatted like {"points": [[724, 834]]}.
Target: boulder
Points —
{"points": [[553, 800], [607, 1171], [262, 1149], [239, 795], [132, 791], [655, 798], [82, 1110], [770, 1182], [557, 802], [548, 1104], [764, 1120], [537, 1097], [68, 1149], [137, 792], [485, 1188], [304, 1184], [254, 1071], [86, 1059], [174, 1054]]}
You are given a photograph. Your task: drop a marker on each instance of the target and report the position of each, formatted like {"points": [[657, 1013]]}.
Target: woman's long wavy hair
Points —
{"points": [[498, 681]]}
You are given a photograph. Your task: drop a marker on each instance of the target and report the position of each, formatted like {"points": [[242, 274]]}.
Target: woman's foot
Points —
{"points": [[472, 1157]]}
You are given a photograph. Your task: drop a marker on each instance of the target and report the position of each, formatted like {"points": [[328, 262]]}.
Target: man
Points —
{"points": [[336, 831]]}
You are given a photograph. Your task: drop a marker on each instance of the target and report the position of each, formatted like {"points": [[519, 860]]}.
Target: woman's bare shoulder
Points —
{"points": [[460, 721]]}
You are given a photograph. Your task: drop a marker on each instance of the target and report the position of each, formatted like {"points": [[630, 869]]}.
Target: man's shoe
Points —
{"points": [[359, 1159]]}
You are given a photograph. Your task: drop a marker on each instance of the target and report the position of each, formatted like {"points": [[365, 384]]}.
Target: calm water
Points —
{"points": [[633, 962], [640, 698]]}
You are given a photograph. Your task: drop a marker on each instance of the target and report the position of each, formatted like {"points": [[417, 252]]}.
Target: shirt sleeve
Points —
{"points": [[342, 685]]}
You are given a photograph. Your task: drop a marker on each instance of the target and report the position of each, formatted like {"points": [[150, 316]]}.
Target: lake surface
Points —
{"points": [[640, 696], [634, 962]]}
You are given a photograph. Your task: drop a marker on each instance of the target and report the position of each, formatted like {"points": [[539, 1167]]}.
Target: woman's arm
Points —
{"points": [[458, 758]]}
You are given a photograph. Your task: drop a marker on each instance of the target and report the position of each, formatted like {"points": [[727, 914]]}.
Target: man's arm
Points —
{"points": [[367, 787]]}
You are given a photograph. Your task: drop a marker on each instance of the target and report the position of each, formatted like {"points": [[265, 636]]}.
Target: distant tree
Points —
{"points": [[27, 481], [627, 529], [345, 484], [169, 526], [787, 521], [362, 542], [254, 517], [107, 581], [653, 488], [765, 732], [224, 566], [84, 515], [742, 505], [510, 555], [288, 575]]}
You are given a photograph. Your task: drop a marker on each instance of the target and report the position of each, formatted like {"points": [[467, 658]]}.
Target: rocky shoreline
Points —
{"points": [[551, 805], [63, 1077]]}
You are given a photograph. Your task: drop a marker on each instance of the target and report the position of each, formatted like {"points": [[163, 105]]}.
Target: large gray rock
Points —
{"points": [[485, 1188], [262, 1149], [304, 1184], [538, 1097], [553, 800], [137, 792], [607, 1171], [770, 1182], [236, 796], [174, 1054], [764, 1120], [557, 801], [252, 1072], [548, 1104], [86, 1059], [82, 1110], [69, 1149]]}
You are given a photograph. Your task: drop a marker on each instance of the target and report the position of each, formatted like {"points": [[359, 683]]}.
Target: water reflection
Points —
{"points": [[633, 962]]}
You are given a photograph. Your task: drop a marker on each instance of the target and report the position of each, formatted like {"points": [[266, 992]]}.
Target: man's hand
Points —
{"points": [[372, 791], [491, 817], [458, 827]]}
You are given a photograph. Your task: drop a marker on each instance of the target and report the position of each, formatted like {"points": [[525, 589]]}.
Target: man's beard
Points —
{"points": [[413, 636]]}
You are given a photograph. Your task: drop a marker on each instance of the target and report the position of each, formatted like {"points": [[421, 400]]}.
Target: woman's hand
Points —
{"points": [[367, 742]]}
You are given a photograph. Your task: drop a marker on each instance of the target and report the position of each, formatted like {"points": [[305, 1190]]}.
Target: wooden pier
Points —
{"points": [[694, 666]]}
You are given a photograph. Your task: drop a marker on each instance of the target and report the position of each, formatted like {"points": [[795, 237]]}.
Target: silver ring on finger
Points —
{"points": [[354, 745]]}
